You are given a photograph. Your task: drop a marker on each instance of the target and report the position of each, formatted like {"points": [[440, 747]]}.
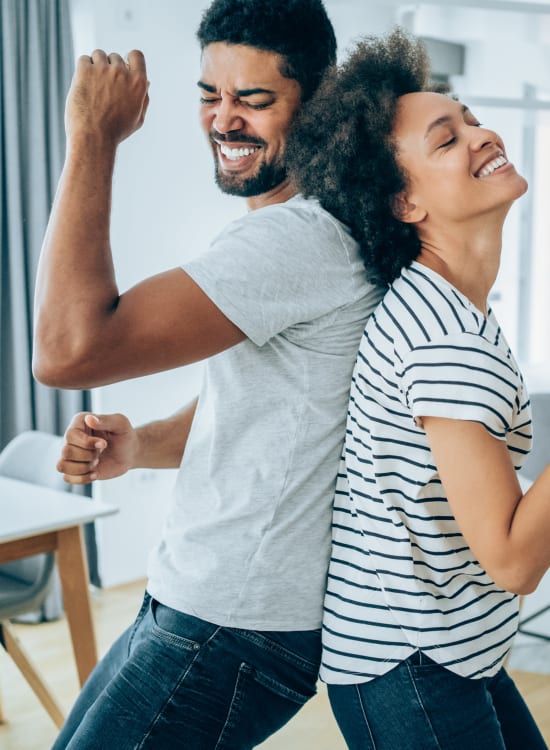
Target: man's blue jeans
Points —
{"points": [[422, 706], [175, 681]]}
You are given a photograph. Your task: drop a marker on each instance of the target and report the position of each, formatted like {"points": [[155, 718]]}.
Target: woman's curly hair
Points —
{"points": [[340, 149]]}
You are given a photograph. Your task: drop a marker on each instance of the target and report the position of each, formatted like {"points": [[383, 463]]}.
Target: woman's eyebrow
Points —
{"points": [[442, 121]]}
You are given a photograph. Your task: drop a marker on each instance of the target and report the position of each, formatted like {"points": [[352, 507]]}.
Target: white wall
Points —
{"points": [[504, 52], [166, 207]]}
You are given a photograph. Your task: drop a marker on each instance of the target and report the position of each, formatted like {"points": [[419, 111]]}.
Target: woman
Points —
{"points": [[432, 537]]}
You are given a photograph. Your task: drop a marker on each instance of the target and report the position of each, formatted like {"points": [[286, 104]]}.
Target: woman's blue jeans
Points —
{"points": [[174, 681], [422, 706]]}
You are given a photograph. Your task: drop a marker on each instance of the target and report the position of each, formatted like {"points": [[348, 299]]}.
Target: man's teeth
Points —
{"points": [[236, 153], [490, 168]]}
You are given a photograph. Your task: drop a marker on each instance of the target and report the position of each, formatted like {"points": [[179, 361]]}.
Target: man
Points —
{"points": [[226, 646]]}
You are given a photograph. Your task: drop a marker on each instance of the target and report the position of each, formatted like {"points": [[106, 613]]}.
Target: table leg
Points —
{"points": [[15, 649], [73, 572]]}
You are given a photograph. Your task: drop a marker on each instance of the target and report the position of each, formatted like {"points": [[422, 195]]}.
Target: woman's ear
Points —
{"points": [[405, 211]]}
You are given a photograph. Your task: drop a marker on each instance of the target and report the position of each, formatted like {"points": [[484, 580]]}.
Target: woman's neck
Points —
{"points": [[469, 260]]}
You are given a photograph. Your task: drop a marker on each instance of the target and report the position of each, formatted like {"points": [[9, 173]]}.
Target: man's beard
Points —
{"points": [[267, 177]]}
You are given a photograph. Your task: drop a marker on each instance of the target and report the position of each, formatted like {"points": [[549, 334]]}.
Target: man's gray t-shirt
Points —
{"points": [[246, 542]]}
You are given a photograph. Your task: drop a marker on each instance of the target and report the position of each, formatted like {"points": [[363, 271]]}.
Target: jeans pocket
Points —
{"points": [[260, 706], [177, 629], [419, 662], [278, 688], [300, 649]]}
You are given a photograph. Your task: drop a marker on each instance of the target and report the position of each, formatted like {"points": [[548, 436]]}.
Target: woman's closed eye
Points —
{"points": [[451, 139], [448, 142]]}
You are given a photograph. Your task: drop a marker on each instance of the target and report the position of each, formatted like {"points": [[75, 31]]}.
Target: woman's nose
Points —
{"points": [[483, 137]]}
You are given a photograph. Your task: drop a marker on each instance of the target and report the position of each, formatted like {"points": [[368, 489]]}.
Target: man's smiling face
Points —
{"points": [[247, 107]]}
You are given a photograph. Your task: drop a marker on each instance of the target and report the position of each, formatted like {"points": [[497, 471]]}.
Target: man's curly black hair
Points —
{"points": [[298, 30], [341, 151]]}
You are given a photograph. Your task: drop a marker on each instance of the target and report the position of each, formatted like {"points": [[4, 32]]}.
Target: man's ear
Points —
{"points": [[405, 211]]}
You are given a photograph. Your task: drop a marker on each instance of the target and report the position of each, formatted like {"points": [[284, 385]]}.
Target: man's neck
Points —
{"points": [[279, 194]]}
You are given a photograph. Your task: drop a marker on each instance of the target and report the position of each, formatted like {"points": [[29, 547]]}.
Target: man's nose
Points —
{"points": [[227, 117]]}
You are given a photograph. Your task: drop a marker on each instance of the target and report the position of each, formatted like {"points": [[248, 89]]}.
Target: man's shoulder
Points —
{"points": [[297, 234], [301, 220], [298, 206]]}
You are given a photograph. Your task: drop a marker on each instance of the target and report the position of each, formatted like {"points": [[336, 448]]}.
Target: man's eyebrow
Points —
{"points": [[442, 121], [206, 87], [238, 92], [251, 92]]}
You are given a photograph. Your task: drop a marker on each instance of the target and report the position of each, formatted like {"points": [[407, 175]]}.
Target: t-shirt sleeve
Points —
{"points": [[461, 377], [277, 267]]}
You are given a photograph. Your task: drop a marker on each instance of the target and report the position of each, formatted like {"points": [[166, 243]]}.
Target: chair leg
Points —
{"points": [[2, 643], [532, 633], [13, 646]]}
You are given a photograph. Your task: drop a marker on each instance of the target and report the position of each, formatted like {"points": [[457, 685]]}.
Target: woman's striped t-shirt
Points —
{"points": [[401, 575]]}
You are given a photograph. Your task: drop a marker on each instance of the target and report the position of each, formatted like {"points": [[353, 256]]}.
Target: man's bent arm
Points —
{"points": [[87, 333], [104, 446], [162, 443]]}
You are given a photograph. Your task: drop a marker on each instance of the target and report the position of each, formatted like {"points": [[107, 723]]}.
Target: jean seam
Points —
{"points": [[139, 619], [421, 704], [264, 641], [236, 689], [277, 687], [176, 688], [364, 714]]}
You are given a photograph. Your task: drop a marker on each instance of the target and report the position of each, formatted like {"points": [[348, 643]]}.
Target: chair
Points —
{"points": [[535, 462], [26, 583]]}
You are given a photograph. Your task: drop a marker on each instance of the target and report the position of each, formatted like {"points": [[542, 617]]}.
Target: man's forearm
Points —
{"points": [[76, 291], [76, 285], [161, 444]]}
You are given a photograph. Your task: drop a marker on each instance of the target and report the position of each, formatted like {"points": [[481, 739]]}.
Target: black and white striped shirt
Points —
{"points": [[402, 576]]}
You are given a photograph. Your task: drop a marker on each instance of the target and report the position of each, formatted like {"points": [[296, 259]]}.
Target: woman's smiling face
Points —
{"points": [[455, 168]]}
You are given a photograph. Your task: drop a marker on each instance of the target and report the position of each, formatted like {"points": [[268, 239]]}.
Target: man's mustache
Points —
{"points": [[235, 137]]}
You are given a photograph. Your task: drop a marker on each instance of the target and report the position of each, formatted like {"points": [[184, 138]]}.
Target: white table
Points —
{"points": [[36, 519]]}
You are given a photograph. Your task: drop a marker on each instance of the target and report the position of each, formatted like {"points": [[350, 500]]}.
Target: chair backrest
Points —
{"points": [[31, 457], [540, 455]]}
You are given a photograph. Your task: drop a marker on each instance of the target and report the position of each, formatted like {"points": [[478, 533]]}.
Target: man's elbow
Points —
{"points": [[51, 374], [56, 368]]}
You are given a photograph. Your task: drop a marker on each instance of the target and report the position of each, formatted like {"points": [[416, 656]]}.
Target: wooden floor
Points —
{"points": [[28, 727]]}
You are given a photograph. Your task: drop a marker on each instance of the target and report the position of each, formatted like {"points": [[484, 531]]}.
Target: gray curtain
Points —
{"points": [[36, 64]]}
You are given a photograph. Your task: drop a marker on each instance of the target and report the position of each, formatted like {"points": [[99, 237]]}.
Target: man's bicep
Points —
{"points": [[169, 319], [163, 322]]}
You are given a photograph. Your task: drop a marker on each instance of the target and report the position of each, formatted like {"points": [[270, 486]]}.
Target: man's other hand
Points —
{"points": [[97, 447]]}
